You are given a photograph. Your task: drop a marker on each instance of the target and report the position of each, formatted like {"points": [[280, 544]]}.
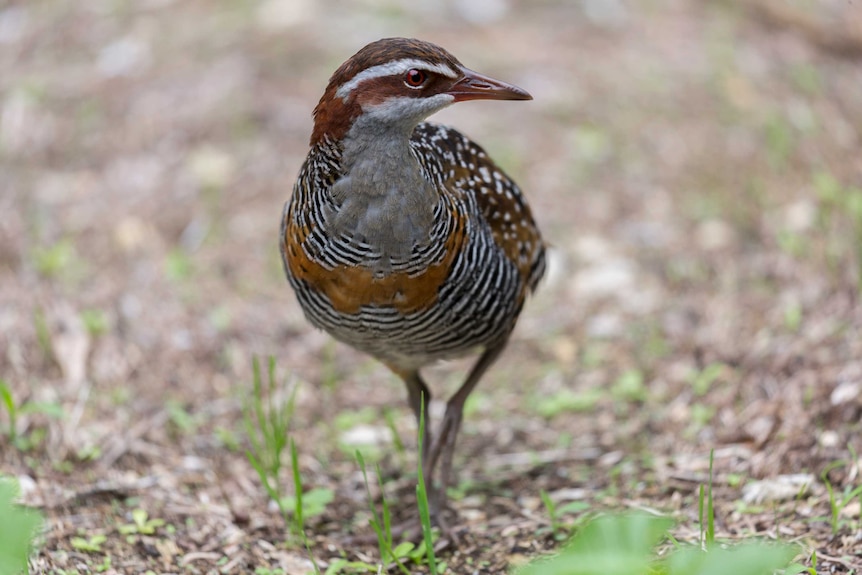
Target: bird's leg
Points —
{"points": [[444, 446], [418, 396]]}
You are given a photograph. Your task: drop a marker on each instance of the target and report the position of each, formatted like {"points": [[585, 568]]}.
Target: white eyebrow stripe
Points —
{"points": [[391, 69]]}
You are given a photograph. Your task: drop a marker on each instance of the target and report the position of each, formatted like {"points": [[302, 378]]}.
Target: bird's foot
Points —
{"points": [[448, 532], [411, 530]]}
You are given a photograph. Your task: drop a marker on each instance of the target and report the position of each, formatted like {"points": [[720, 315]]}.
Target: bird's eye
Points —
{"points": [[415, 78]]}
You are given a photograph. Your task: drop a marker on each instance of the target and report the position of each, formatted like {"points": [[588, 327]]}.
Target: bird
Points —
{"points": [[403, 238]]}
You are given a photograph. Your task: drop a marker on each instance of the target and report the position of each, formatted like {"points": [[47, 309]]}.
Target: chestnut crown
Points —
{"points": [[400, 82]]}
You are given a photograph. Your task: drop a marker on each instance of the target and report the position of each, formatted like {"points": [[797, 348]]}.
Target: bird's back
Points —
{"points": [[461, 288], [468, 169]]}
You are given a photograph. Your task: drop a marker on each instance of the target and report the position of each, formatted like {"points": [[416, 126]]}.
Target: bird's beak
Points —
{"points": [[475, 86]]}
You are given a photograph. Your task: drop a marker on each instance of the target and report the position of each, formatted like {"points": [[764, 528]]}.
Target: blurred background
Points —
{"points": [[694, 164]]}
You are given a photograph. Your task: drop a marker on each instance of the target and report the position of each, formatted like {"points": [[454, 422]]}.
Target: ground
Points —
{"points": [[695, 167]]}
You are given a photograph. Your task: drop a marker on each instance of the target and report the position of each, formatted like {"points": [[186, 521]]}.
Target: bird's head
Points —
{"points": [[396, 83]]}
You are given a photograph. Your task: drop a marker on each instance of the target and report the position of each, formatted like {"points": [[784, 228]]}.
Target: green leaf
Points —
{"points": [[339, 566], [95, 321], [568, 401], [630, 386], [141, 523], [793, 317], [418, 554], [178, 265], [573, 507], [52, 261], [49, 409], [829, 189], [315, 500], [779, 140], [796, 569], [180, 416], [609, 545], [703, 380], [403, 549], [17, 529], [139, 516], [91, 545], [744, 559]]}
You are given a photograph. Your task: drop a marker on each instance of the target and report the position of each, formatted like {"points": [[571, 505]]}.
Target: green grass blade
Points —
{"points": [[700, 498], [710, 505], [387, 517], [375, 518], [299, 522], [422, 497], [381, 527], [550, 508], [11, 408], [397, 444]]}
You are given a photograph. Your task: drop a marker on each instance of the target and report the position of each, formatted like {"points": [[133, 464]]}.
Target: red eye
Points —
{"points": [[415, 78]]}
